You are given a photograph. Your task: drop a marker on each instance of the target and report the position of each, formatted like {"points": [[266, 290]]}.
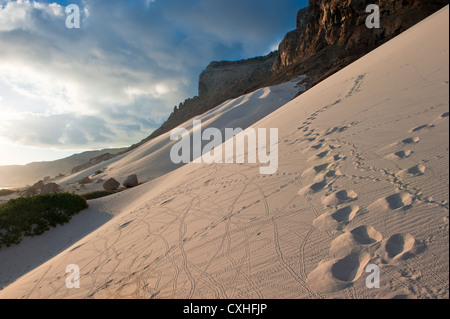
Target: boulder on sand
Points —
{"points": [[35, 189], [38, 186], [111, 184], [30, 192], [49, 188], [85, 180], [131, 181]]}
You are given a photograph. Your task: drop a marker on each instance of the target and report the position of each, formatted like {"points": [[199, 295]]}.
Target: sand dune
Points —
{"points": [[337, 204], [152, 159]]}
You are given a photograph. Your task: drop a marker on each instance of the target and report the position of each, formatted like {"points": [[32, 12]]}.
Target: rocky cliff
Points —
{"points": [[219, 82], [330, 34], [230, 78]]}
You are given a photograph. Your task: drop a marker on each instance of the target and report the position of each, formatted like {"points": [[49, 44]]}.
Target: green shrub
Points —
{"points": [[33, 215]]}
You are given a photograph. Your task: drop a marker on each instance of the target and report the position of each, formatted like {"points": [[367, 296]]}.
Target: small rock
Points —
{"points": [[37, 186], [131, 181], [111, 184], [85, 180]]}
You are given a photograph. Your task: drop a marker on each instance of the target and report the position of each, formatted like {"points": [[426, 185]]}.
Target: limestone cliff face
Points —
{"points": [[332, 33], [235, 76], [329, 35], [219, 82]]}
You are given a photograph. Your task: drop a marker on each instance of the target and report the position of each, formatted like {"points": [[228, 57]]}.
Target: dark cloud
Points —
{"points": [[117, 78]]}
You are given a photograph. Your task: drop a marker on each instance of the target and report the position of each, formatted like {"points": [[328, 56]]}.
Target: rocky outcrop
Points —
{"points": [[330, 34], [227, 77]]}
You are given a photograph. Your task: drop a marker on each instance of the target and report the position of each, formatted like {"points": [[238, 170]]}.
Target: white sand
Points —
{"points": [[152, 159], [377, 194]]}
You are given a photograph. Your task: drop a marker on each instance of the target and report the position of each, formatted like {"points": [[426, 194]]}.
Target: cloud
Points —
{"points": [[69, 130], [117, 78]]}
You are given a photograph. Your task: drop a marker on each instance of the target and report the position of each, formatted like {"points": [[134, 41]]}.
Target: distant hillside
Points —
{"points": [[21, 175]]}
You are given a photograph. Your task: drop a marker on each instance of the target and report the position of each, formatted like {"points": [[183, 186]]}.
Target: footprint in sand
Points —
{"points": [[333, 173], [319, 156], [399, 155], [411, 140], [350, 268], [319, 173], [401, 200], [417, 170], [403, 153], [334, 275], [346, 214], [321, 168], [339, 157], [337, 220], [351, 253], [444, 115], [399, 247], [356, 239], [340, 197], [315, 170], [319, 183], [317, 146], [419, 128], [323, 154]]}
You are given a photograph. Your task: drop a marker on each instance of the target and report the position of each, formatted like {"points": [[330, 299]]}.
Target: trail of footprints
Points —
{"points": [[405, 196], [354, 248]]}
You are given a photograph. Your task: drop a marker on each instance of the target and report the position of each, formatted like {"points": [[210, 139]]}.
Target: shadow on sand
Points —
{"points": [[17, 260]]}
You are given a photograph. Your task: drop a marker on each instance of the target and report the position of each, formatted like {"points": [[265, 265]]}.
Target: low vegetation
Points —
{"points": [[33, 215]]}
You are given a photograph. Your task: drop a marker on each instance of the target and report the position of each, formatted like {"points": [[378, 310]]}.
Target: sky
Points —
{"points": [[114, 80]]}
